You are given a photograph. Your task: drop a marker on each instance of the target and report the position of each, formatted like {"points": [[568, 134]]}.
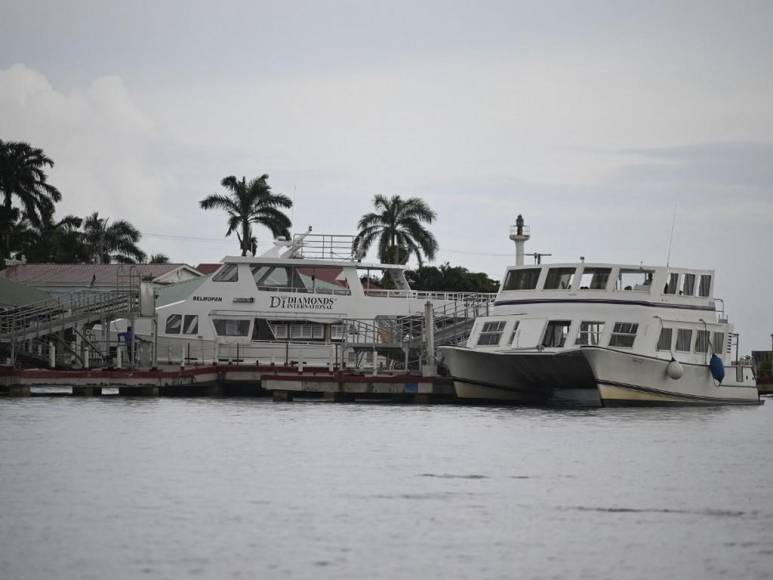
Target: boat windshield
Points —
{"points": [[524, 279], [311, 279]]}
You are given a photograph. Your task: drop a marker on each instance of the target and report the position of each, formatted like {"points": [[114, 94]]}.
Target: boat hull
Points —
{"points": [[625, 378], [527, 377]]}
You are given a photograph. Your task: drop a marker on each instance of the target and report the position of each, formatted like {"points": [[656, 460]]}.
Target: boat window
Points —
{"points": [[702, 341], [491, 332], [173, 324], [559, 278], [704, 286], [230, 327], [595, 278], [307, 331], [228, 273], [688, 285], [672, 283], [322, 280], [272, 276], [683, 339], [191, 324], [666, 336], [280, 331], [719, 342], [522, 279], [590, 333], [638, 280], [624, 334], [514, 333], [261, 330], [556, 333], [337, 331]]}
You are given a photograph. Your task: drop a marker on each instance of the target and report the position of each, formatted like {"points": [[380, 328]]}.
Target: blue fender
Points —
{"points": [[717, 368]]}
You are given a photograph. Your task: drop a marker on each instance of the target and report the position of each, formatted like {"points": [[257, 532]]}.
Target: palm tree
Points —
{"points": [[23, 176], [116, 242], [50, 241], [397, 224], [250, 203], [158, 259]]}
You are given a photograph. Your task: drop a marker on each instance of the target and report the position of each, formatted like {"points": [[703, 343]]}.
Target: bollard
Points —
{"points": [[51, 355], [86, 358], [118, 357]]}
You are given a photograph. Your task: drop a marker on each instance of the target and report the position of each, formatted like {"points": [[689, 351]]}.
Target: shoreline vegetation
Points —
{"points": [[31, 232]]}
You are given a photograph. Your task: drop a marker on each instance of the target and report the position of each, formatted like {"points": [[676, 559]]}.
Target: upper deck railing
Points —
{"points": [[324, 247]]}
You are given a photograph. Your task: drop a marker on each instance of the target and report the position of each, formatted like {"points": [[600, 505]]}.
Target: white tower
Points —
{"points": [[519, 233]]}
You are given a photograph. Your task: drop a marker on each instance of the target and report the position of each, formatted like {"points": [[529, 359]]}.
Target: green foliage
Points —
{"points": [[158, 259], [250, 203], [108, 242], [396, 226], [450, 278], [23, 179]]}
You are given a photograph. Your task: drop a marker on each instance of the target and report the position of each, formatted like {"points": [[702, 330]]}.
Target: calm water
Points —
{"points": [[165, 488]]}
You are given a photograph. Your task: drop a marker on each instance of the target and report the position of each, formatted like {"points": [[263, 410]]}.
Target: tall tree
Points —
{"points": [[54, 241], [250, 203], [158, 259], [111, 242], [23, 178], [397, 225]]}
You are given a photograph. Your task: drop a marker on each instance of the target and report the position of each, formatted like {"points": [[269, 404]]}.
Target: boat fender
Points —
{"points": [[717, 368], [674, 369]]}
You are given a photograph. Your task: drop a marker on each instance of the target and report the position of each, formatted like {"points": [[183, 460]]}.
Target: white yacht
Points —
{"points": [[602, 334], [303, 301]]}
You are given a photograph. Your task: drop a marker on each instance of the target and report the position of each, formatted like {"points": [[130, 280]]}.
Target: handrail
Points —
{"points": [[38, 317]]}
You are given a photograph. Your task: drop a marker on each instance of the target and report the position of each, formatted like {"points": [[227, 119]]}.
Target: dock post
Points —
{"points": [[86, 353], [51, 355], [118, 361], [428, 356]]}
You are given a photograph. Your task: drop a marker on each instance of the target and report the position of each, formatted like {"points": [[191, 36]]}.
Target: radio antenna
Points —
{"points": [[671, 238]]}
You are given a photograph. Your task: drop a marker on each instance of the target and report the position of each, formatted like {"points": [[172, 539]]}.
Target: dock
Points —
{"points": [[283, 383]]}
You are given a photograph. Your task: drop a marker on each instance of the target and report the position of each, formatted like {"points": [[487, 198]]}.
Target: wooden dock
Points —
{"points": [[284, 383]]}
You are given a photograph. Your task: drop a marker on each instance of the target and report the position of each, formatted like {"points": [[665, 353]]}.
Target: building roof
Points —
{"points": [[207, 268], [15, 294], [93, 274]]}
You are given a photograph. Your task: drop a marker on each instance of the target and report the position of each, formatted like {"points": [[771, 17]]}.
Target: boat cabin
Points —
{"points": [[619, 281]]}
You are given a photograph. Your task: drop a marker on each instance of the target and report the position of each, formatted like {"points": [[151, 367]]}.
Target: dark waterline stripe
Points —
{"points": [[604, 301]]}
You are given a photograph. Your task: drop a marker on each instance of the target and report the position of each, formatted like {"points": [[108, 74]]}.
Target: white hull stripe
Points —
{"points": [[689, 397]]}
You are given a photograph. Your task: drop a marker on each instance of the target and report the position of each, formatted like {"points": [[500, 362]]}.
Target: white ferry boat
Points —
{"points": [[603, 334], [299, 302]]}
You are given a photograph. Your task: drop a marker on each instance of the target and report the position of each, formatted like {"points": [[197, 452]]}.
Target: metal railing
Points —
{"points": [[324, 246], [21, 326]]}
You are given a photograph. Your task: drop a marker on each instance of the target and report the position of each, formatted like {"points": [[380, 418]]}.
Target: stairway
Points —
{"points": [[48, 317]]}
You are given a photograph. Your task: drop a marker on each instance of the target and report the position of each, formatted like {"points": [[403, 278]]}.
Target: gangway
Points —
{"points": [[404, 338], [49, 317]]}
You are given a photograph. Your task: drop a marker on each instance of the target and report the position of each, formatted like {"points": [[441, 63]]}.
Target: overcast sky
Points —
{"points": [[599, 121]]}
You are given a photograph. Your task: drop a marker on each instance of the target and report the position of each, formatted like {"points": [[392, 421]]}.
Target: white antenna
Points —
{"points": [[671, 238]]}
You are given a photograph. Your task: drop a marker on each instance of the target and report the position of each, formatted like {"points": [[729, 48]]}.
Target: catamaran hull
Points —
{"points": [[629, 379], [534, 377]]}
